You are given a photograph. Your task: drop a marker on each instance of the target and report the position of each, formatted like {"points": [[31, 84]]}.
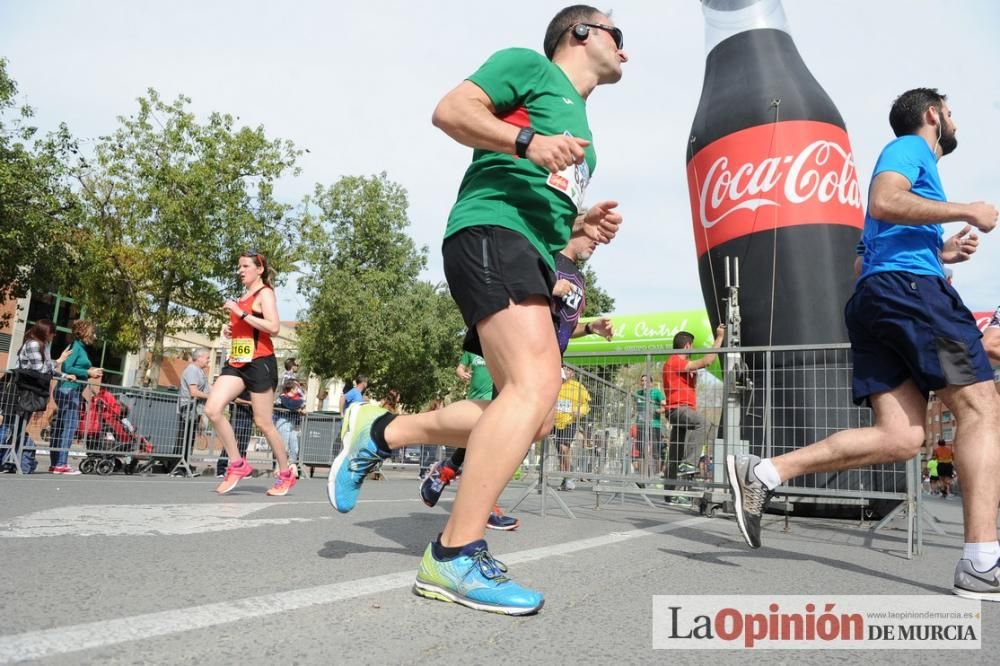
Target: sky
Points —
{"points": [[356, 82]]}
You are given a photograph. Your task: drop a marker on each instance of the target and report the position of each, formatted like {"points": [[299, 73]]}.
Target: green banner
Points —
{"points": [[643, 334]]}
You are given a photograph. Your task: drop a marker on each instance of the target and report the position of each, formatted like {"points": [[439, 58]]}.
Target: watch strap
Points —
{"points": [[524, 138]]}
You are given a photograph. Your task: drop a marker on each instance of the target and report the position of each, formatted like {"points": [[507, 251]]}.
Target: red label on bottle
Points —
{"points": [[772, 176]]}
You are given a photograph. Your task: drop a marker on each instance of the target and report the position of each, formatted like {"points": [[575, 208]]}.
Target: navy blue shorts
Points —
{"points": [[906, 326]]}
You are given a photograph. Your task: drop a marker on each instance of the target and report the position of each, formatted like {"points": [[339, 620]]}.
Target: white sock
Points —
{"points": [[983, 555], [767, 473]]}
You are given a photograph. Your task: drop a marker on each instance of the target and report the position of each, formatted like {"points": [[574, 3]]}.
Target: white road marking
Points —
{"points": [[74, 638], [153, 519]]}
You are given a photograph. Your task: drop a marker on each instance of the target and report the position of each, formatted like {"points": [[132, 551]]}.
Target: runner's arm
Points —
{"points": [[468, 116], [891, 200], [601, 327]]}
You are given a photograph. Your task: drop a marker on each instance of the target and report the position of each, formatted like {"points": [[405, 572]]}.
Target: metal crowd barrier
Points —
{"points": [[768, 401], [136, 430]]}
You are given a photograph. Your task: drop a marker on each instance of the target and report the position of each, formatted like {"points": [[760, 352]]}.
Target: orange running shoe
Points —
{"points": [[236, 471], [283, 482]]}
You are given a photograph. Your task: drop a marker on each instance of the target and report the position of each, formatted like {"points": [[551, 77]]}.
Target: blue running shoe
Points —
{"points": [[357, 459], [434, 482], [498, 521], [476, 580]]}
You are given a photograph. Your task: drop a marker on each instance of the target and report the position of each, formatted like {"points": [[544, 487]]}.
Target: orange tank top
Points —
{"points": [[247, 343]]}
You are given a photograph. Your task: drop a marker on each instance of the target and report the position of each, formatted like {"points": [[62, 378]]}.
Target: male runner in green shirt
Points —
{"points": [[524, 114]]}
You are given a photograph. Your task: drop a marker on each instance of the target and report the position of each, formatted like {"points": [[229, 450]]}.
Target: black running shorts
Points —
{"points": [[487, 267], [259, 375]]}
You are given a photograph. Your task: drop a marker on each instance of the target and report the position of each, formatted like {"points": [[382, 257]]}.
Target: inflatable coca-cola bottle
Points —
{"points": [[772, 181]]}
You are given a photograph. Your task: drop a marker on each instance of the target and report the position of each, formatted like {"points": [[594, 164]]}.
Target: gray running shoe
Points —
{"points": [[973, 584], [750, 496]]}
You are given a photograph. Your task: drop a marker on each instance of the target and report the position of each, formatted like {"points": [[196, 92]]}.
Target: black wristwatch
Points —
{"points": [[524, 137], [588, 329], [244, 315]]}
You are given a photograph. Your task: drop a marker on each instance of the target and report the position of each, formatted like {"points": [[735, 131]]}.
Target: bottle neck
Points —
{"points": [[725, 18]]}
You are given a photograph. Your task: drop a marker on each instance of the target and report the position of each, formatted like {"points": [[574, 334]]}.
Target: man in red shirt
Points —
{"points": [[687, 426], [944, 454]]}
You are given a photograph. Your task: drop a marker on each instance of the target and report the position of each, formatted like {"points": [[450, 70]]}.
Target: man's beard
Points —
{"points": [[948, 143]]}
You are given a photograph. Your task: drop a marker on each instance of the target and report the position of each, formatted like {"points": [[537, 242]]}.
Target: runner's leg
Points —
{"points": [[224, 391], [522, 355]]}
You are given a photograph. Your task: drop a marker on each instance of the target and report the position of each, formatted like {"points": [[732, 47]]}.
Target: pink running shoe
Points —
{"points": [[283, 482], [236, 471], [66, 470]]}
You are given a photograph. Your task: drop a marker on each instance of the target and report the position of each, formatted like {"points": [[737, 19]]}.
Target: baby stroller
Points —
{"points": [[111, 441]]}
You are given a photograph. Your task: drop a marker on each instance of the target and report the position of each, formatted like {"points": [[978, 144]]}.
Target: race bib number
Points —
{"points": [[241, 350], [571, 182]]}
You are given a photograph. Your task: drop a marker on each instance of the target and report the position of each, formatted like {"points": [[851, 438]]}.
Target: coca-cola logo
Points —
{"points": [[812, 181]]}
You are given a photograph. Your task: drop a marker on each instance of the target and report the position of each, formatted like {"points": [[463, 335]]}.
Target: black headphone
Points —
{"points": [[580, 31]]}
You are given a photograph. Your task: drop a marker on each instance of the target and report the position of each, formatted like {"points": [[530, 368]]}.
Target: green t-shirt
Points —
{"points": [[481, 384], [506, 191], [647, 401]]}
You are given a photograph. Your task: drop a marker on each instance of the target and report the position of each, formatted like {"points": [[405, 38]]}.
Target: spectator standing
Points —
{"points": [[288, 417], [649, 407], [68, 396], [37, 368], [191, 396], [572, 405], [291, 371], [689, 430], [356, 395]]}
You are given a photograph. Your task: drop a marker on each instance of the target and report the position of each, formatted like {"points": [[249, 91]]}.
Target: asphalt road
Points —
{"points": [[161, 571]]}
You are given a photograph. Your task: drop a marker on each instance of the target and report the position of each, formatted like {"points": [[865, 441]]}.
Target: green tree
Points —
{"points": [[599, 302], [36, 204], [368, 310], [169, 204]]}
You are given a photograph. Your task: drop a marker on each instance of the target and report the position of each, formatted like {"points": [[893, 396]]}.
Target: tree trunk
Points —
{"points": [[140, 373], [162, 319]]}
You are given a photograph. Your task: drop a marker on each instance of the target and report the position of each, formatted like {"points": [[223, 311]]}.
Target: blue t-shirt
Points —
{"points": [[351, 397], [901, 247]]}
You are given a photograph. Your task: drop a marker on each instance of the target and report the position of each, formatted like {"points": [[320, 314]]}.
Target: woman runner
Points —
{"points": [[251, 365]]}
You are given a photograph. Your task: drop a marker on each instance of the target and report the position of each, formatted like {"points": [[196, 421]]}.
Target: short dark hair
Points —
{"points": [[563, 21], [683, 338], [289, 363], [360, 378], [907, 113], [289, 385]]}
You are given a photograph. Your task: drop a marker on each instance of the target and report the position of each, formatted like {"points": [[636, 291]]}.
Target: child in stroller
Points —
{"points": [[111, 441]]}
